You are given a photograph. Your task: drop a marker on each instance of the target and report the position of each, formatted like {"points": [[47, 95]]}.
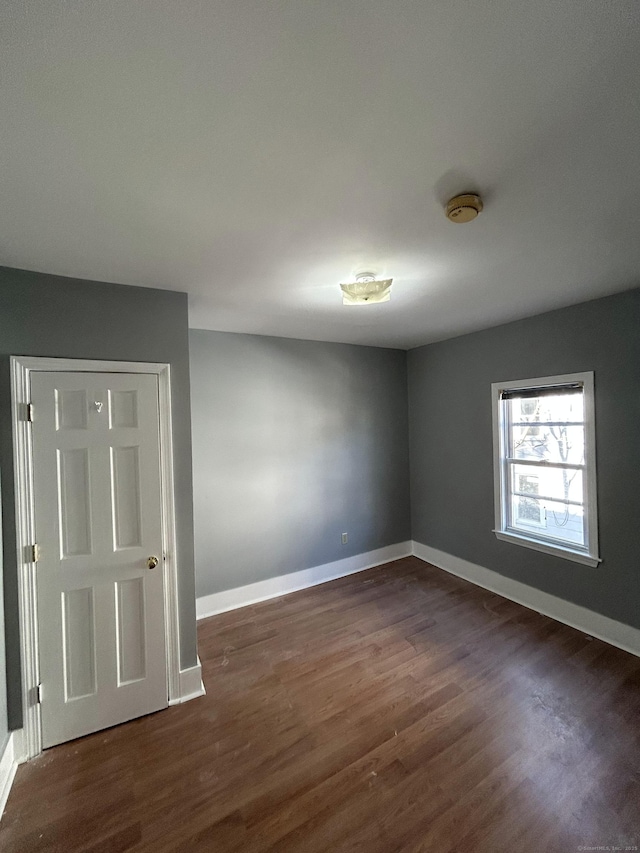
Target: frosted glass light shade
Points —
{"points": [[366, 292]]}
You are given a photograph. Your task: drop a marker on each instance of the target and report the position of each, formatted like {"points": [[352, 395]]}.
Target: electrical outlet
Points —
{"points": [[345, 538]]}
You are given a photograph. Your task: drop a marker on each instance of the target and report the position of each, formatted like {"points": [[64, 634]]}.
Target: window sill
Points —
{"points": [[545, 548]]}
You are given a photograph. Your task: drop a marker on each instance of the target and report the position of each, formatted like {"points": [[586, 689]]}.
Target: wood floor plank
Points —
{"points": [[399, 710]]}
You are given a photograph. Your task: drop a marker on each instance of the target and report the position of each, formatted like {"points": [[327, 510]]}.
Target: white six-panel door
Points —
{"points": [[100, 598]]}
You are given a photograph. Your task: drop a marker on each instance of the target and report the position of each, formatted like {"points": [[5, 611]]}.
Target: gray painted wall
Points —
{"points": [[47, 315], [452, 453], [294, 443]]}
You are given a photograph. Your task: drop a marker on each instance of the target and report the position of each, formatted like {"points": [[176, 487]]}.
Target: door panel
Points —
{"points": [[74, 502], [79, 647], [96, 456], [130, 617], [125, 497]]}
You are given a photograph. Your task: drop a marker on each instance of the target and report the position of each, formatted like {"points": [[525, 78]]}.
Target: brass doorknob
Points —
{"points": [[152, 562]]}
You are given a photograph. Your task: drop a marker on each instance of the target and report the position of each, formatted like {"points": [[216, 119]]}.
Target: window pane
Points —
{"points": [[527, 513], [554, 407], [543, 442], [559, 483], [547, 519]]}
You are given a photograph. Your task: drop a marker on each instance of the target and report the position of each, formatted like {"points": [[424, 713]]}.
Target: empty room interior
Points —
{"points": [[319, 426]]}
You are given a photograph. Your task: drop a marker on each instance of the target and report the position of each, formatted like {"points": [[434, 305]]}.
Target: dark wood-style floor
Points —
{"points": [[399, 709]]}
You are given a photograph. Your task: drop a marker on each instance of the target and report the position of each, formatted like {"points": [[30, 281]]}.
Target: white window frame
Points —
{"points": [[587, 555]]}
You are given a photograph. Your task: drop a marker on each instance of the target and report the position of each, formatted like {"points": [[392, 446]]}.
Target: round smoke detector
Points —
{"points": [[464, 208]]}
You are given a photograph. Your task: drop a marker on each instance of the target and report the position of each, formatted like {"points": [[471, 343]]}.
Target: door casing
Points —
{"points": [[21, 369]]}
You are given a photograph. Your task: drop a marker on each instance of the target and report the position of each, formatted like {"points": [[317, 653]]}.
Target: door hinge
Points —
{"points": [[39, 694], [30, 413], [34, 553]]}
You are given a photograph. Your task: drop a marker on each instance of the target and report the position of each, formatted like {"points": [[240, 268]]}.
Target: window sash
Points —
{"points": [[513, 527], [537, 497], [510, 462], [546, 423], [533, 535], [542, 463]]}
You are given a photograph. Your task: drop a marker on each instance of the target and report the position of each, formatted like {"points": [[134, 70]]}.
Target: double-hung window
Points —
{"points": [[545, 466]]}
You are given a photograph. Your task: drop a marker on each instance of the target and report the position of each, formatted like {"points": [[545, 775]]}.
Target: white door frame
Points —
{"points": [[21, 368]]}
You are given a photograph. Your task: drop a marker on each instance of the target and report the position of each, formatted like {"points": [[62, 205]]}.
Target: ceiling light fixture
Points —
{"points": [[464, 208], [365, 289]]}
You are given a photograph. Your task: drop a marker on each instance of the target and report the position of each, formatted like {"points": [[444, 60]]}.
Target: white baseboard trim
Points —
{"points": [[220, 602], [191, 684], [9, 760], [594, 624]]}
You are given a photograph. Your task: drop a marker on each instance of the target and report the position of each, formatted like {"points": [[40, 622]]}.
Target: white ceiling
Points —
{"points": [[255, 153]]}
